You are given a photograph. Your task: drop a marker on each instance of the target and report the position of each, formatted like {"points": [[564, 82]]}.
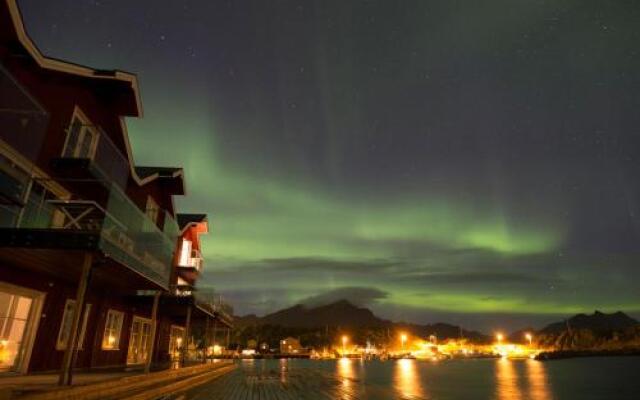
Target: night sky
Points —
{"points": [[464, 161]]}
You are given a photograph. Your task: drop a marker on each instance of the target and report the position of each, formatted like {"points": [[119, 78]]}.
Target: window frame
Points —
{"points": [[85, 126], [83, 328], [117, 334]]}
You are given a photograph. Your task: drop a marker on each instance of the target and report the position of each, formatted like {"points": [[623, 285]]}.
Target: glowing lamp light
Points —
{"points": [[529, 337], [499, 337], [403, 339], [345, 339]]}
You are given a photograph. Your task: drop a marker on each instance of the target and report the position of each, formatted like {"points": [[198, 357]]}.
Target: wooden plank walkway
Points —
{"points": [[260, 381]]}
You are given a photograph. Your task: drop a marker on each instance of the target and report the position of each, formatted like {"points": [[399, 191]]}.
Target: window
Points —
{"points": [[82, 139], [152, 210], [112, 329], [175, 341], [67, 321], [14, 318], [185, 253], [139, 341]]}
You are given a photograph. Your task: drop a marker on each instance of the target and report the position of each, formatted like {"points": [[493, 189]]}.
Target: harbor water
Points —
{"points": [[502, 379]]}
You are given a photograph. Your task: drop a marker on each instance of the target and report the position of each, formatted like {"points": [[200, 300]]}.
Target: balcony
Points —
{"points": [[116, 228], [106, 164], [210, 300], [23, 122]]}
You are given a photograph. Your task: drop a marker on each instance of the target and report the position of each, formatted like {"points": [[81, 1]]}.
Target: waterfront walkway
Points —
{"points": [[117, 385], [259, 381]]}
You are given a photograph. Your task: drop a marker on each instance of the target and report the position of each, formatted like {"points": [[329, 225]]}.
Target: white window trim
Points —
{"points": [[119, 330], [34, 320], [181, 337], [86, 124], [83, 328], [143, 320]]}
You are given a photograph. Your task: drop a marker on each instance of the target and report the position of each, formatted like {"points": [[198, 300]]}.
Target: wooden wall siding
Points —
{"points": [[44, 356]]}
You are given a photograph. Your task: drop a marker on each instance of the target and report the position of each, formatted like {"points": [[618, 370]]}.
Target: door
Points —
{"points": [[139, 341], [19, 311]]}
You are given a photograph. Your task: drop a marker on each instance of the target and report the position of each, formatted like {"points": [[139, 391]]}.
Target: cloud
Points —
{"points": [[361, 296]]}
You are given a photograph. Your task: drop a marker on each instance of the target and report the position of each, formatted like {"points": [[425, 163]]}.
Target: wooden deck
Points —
{"points": [[261, 381]]}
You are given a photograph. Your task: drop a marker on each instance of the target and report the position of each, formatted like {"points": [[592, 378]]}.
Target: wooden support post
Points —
{"points": [[206, 341], [228, 336], [72, 343], [185, 339], [152, 336], [215, 332]]}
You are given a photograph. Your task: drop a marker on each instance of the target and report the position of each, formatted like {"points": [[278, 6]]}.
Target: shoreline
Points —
{"points": [[564, 354]]}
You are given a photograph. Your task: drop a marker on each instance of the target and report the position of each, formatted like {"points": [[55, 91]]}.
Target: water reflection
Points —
{"points": [[507, 380], [509, 384], [537, 377], [346, 374], [406, 379]]}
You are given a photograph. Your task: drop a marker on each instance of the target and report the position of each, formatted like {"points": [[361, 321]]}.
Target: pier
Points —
{"points": [[258, 380]]}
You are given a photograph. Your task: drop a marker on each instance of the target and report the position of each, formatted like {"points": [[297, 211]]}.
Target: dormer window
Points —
{"points": [[82, 138]]}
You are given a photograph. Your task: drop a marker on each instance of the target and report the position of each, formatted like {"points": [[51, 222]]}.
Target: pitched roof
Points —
{"points": [[158, 172], [11, 21], [173, 177], [185, 220]]}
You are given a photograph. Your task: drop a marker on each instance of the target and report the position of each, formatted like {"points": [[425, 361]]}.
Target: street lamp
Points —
{"points": [[344, 343], [403, 338], [499, 337], [529, 338]]}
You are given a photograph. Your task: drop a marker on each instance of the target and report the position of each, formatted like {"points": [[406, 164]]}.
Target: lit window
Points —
{"points": [[185, 253], [112, 329], [67, 321]]}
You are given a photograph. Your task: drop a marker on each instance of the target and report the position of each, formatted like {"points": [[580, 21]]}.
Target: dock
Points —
{"points": [[256, 380]]}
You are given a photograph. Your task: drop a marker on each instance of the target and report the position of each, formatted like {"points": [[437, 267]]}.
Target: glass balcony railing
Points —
{"points": [[125, 233], [128, 236], [23, 122], [193, 260], [109, 161], [213, 301]]}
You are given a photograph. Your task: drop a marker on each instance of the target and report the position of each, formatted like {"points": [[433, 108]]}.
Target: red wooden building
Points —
{"points": [[85, 235]]}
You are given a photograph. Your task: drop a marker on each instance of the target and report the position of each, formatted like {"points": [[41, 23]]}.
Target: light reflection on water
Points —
{"points": [[538, 387], [406, 379], [498, 379], [346, 374], [510, 380], [507, 380]]}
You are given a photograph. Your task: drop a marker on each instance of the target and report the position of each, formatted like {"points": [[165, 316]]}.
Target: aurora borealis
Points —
{"points": [[455, 161]]}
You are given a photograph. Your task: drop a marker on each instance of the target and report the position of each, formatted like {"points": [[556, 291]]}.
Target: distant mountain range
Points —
{"points": [[343, 314], [597, 321], [598, 331], [595, 331]]}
